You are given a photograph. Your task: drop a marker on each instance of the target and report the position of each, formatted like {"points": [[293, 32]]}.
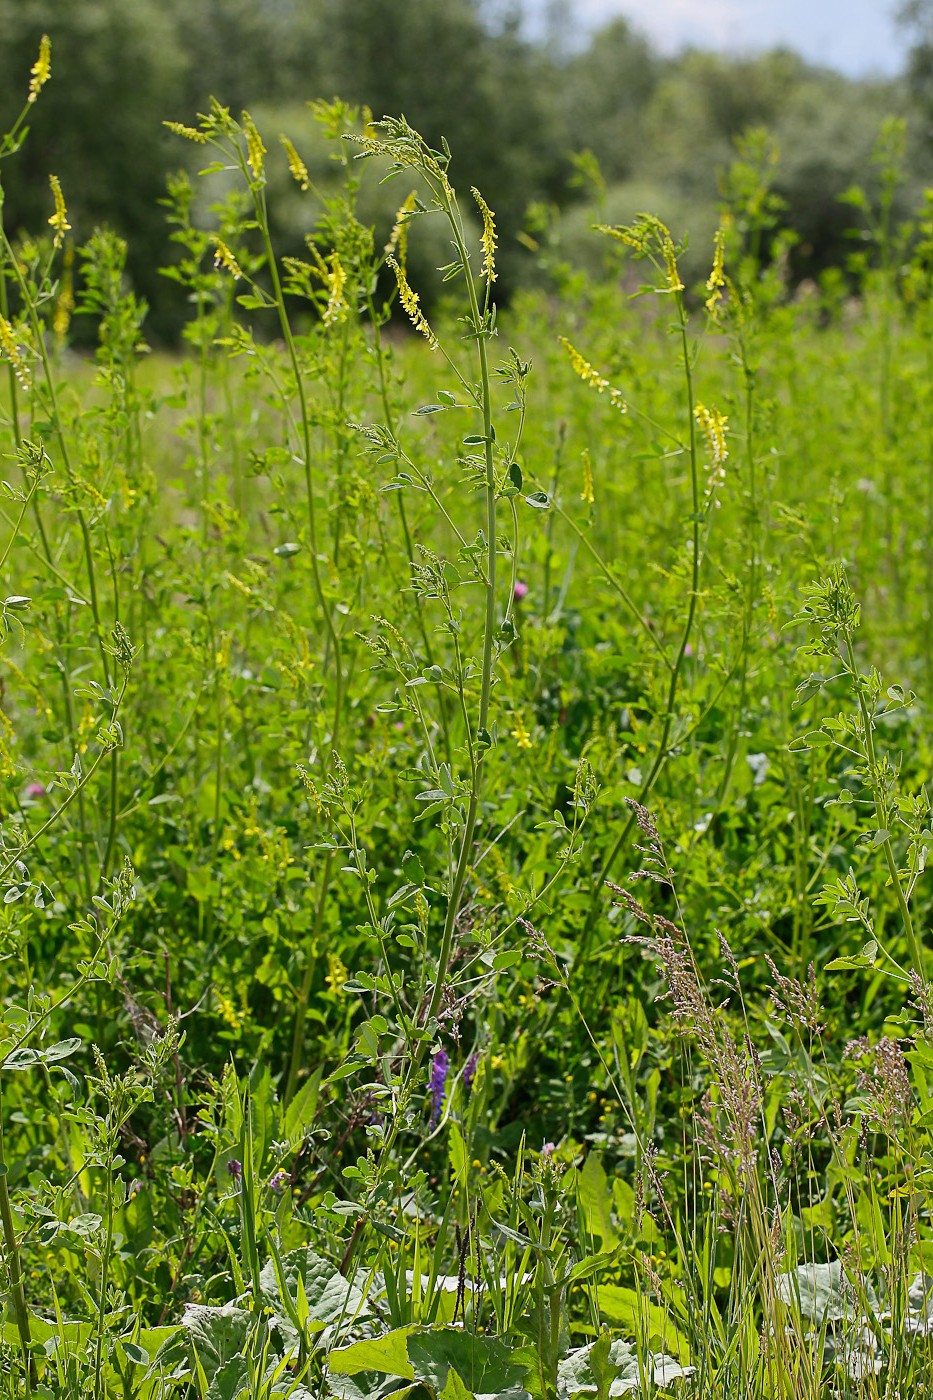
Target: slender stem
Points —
{"points": [[11, 1244], [662, 751], [469, 826]]}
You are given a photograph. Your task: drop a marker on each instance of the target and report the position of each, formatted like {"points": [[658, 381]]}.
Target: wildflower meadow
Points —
{"points": [[464, 792]]}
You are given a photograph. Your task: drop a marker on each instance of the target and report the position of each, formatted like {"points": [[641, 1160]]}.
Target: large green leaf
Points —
{"points": [[483, 1364], [318, 1295], [595, 1196], [218, 1335], [631, 1311], [618, 1369], [387, 1354]]}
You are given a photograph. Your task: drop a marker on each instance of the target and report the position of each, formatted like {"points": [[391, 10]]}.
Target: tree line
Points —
{"points": [[548, 128]]}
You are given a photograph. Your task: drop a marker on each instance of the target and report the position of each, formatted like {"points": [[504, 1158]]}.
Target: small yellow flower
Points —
{"points": [[410, 301], [489, 236], [42, 68], [520, 734], [59, 219], [224, 258], [296, 165], [337, 973], [255, 150]]}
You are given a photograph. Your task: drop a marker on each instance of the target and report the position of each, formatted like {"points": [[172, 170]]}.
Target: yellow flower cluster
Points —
{"points": [[10, 348], [410, 301], [337, 973], [336, 308], [296, 165], [255, 150], [520, 734], [224, 258], [59, 219], [190, 133], [592, 377], [713, 426], [717, 278], [489, 236], [674, 284], [397, 245], [42, 68]]}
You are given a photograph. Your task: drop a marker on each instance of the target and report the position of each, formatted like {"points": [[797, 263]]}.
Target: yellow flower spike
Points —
{"points": [[410, 301], [10, 349], [583, 368], [397, 245], [255, 150], [59, 219], [42, 68], [717, 278], [489, 236], [336, 309], [592, 377], [224, 258], [713, 426], [296, 165], [674, 284], [587, 495], [190, 133]]}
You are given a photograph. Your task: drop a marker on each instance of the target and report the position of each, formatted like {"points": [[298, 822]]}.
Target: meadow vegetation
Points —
{"points": [[464, 794]]}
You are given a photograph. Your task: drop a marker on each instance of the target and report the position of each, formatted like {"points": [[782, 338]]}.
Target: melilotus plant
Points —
{"points": [[897, 817], [702, 441]]}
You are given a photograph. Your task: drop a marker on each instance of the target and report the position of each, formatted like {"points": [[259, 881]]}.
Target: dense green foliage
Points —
{"points": [[464, 791]]}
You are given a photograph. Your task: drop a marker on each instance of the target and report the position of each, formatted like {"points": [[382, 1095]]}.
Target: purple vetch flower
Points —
{"points": [[235, 1168], [520, 590], [437, 1085], [36, 791], [278, 1181], [469, 1071]]}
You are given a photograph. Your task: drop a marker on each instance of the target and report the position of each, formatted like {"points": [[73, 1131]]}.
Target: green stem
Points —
{"points": [[662, 751], [17, 1290]]}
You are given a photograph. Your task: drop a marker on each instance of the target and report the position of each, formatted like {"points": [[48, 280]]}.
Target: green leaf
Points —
{"points": [[630, 1310], [387, 1354], [60, 1050], [300, 1112], [482, 1363], [218, 1335], [595, 1197], [454, 1388], [539, 499]]}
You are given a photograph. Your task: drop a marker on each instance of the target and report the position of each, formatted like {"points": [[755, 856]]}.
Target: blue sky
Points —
{"points": [[857, 36]]}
